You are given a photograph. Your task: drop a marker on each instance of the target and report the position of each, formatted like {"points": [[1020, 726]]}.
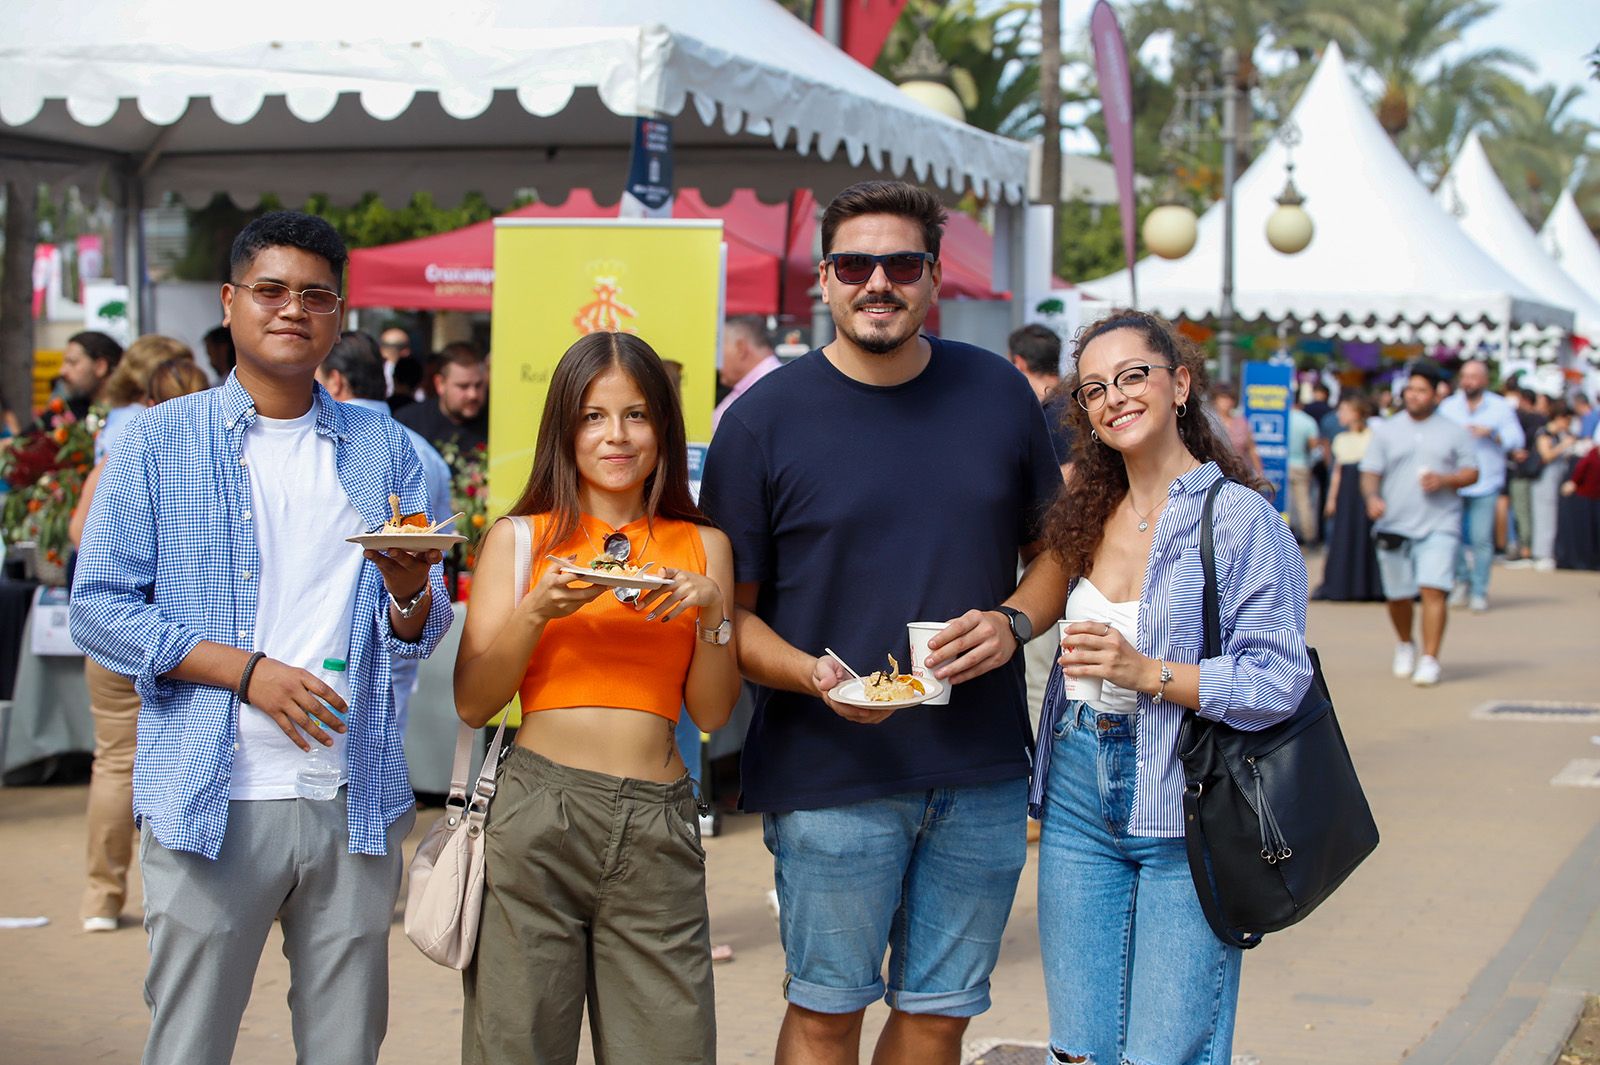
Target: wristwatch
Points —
{"points": [[409, 607], [719, 635], [1021, 627]]}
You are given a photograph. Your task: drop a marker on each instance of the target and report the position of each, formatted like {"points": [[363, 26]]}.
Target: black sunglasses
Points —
{"points": [[900, 267]]}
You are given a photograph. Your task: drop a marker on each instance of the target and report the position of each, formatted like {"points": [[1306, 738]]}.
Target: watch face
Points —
{"points": [[1021, 627]]}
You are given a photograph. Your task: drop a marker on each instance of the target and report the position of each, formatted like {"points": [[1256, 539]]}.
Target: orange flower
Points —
{"points": [[34, 505], [60, 434], [478, 520], [56, 406]]}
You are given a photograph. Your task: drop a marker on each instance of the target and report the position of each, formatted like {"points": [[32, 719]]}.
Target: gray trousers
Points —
{"points": [[208, 921]]}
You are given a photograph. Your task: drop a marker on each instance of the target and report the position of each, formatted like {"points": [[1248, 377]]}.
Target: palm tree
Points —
{"points": [[993, 59], [1534, 143], [1459, 98], [1402, 46]]}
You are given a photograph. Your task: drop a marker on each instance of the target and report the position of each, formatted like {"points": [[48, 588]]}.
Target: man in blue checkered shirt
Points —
{"points": [[215, 571]]}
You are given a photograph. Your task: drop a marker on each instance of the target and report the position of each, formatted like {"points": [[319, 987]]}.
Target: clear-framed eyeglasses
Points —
{"points": [[271, 295]]}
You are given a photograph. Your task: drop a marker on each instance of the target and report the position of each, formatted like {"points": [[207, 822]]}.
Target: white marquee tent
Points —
{"points": [[395, 96], [1567, 238], [1387, 263], [1471, 191]]}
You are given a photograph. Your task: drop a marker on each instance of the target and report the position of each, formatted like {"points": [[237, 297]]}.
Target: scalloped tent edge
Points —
{"points": [[382, 97], [1387, 263]]}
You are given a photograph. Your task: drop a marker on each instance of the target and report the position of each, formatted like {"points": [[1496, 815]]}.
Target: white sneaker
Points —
{"points": [[1458, 595], [99, 924], [1427, 674], [1544, 565], [1480, 604], [1405, 659]]}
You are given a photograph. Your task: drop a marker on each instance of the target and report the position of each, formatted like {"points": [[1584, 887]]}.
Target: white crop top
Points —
{"points": [[1085, 603]]}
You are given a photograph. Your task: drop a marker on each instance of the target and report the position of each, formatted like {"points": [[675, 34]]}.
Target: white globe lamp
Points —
{"points": [[936, 96], [1170, 230]]}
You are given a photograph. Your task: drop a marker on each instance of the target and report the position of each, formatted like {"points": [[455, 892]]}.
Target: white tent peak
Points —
{"points": [[1472, 192], [1386, 263], [1567, 238]]}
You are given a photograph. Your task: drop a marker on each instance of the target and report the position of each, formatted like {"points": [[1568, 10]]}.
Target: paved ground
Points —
{"points": [[1470, 928]]}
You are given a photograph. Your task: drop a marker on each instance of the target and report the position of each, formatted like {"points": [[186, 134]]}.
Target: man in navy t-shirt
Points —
{"points": [[890, 477]]}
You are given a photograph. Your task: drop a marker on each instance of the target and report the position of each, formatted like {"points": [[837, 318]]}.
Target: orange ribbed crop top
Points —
{"points": [[607, 654]]}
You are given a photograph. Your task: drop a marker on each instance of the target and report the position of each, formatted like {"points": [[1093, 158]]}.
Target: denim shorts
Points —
{"points": [[927, 877], [1426, 562]]}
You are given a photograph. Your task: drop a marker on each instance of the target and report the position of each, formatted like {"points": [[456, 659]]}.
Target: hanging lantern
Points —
{"points": [[1170, 230], [925, 77], [1289, 227]]}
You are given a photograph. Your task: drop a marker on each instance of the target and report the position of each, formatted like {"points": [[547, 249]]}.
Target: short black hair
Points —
{"points": [[1425, 368], [407, 376], [1320, 387], [288, 229], [355, 356], [99, 347], [886, 197], [1039, 347]]}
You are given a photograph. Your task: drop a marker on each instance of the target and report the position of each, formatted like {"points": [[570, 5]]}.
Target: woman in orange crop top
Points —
{"points": [[594, 874]]}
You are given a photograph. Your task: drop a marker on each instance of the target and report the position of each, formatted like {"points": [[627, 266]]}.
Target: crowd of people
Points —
{"points": [[887, 478]]}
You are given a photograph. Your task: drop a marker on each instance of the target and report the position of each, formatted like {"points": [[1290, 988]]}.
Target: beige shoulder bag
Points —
{"points": [[445, 896]]}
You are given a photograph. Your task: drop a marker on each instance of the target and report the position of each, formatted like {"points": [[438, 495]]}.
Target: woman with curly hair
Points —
{"points": [[1132, 970]]}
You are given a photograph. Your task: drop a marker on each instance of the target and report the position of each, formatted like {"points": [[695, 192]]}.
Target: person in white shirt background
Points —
{"points": [[1496, 432]]}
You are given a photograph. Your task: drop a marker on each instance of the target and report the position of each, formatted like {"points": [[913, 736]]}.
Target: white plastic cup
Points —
{"points": [[1087, 689], [921, 632]]}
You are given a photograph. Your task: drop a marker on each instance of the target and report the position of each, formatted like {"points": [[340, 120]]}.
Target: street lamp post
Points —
{"points": [[1170, 231]]}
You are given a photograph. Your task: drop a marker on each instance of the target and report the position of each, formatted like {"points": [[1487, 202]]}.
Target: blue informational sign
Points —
{"points": [[1268, 389], [650, 168]]}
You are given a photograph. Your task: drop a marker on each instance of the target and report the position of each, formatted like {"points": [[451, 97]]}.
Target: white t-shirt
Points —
{"points": [[307, 584]]}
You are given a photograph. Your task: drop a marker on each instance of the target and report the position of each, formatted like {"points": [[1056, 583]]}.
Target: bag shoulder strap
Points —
{"points": [[522, 570], [1194, 834], [1212, 605]]}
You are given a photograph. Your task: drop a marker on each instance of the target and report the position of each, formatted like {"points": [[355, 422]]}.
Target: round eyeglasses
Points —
{"points": [[271, 295], [1131, 381]]}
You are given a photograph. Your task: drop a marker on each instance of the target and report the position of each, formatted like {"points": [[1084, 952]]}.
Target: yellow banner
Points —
{"points": [[559, 279]]}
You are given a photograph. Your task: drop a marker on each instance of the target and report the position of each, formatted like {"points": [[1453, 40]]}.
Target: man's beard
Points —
{"points": [[876, 343], [1471, 393]]}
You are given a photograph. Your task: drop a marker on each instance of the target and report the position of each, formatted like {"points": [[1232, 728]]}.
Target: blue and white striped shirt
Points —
{"points": [[170, 558], [1264, 669]]}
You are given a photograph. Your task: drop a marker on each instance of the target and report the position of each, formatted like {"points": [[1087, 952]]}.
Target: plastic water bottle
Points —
{"points": [[319, 774]]}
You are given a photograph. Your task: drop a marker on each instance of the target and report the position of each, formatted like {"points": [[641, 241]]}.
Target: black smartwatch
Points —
{"points": [[1021, 627]]}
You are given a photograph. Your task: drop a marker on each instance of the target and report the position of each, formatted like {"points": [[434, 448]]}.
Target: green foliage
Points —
{"points": [[1534, 142], [993, 53], [365, 224], [1091, 239]]}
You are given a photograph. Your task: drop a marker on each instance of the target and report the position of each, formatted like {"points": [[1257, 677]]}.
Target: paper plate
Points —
{"points": [[407, 541], [852, 693], [644, 582]]}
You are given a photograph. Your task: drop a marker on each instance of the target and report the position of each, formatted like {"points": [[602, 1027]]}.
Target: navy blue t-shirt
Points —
{"points": [[860, 508]]}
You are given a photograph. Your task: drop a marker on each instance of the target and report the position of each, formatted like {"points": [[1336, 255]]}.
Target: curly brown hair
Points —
{"points": [[1075, 524]]}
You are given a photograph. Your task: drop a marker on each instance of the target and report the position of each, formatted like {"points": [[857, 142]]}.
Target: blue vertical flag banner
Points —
{"points": [[1268, 393], [649, 190]]}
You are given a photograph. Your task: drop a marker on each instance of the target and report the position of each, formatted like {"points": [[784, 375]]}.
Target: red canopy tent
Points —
{"points": [[769, 257]]}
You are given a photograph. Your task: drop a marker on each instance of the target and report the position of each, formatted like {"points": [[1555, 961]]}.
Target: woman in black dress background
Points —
{"points": [[1350, 568]]}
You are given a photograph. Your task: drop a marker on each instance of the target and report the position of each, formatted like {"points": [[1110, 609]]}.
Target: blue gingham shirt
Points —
{"points": [[1264, 669], [170, 558]]}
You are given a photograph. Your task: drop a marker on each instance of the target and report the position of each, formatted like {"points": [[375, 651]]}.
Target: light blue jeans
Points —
{"points": [[1477, 543], [1132, 972]]}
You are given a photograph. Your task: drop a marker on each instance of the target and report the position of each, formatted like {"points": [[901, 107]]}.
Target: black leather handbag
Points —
{"points": [[1274, 820]]}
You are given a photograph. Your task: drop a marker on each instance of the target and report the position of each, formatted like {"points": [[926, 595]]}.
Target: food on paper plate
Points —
{"points": [[891, 685], [410, 524], [607, 564]]}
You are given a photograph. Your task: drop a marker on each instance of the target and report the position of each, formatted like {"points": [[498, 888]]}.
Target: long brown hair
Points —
{"points": [[1075, 524], [553, 483]]}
